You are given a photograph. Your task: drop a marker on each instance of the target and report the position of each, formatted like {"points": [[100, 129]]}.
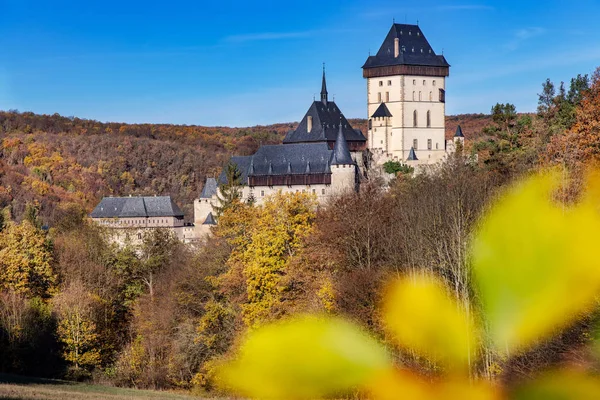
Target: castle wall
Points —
{"points": [[404, 95]]}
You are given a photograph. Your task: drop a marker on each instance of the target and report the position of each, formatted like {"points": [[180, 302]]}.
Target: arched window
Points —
{"points": [[415, 119], [420, 97], [430, 96], [414, 98], [428, 119]]}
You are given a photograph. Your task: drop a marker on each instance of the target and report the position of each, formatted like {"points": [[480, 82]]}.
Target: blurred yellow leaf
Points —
{"points": [[565, 385], [396, 385], [305, 357], [535, 262], [423, 317]]}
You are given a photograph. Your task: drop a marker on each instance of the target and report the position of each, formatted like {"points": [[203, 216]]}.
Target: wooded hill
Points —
{"points": [[47, 160]]}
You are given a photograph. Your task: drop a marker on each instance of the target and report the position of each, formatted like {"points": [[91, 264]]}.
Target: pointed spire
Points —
{"points": [[459, 132], [324, 88], [412, 156], [341, 153]]}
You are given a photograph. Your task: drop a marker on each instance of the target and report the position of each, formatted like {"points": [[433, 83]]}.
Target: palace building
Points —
{"points": [[406, 96], [322, 156]]}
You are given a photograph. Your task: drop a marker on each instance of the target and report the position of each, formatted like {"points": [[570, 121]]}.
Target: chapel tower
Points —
{"points": [[406, 98]]}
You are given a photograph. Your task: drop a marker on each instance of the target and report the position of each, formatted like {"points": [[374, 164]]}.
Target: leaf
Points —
{"points": [[534, 262], [565, 385], [395, 385], [305, 357], [423, 317]]}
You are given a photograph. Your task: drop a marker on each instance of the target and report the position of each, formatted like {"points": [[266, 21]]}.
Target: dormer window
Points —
{"points": [[409, 33]]}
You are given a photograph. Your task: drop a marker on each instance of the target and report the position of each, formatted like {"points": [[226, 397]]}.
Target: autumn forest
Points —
{"points": [[164, 315]]}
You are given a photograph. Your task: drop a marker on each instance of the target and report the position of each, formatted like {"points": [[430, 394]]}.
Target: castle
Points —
{"points": [[325, 155]]}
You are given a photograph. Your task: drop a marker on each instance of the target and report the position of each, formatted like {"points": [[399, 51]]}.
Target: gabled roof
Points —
{"points": [[284, 159], [414, 49], [210, 188], [325, 123], [381, 112], [210, 220], [341, 154], [412, 156], [459, 132], [128, 207]]}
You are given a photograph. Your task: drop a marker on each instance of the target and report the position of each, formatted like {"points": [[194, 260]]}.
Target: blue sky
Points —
{"points": [[242, 63]]}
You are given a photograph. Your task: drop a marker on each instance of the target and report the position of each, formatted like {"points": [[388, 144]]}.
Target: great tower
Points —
{"points": [[406, 82]]}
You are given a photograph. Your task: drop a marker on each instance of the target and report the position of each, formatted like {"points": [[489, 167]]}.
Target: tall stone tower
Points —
{"points": [[406, 98]]}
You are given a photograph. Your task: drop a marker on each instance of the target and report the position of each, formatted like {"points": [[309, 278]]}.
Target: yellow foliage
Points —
{"points": [[422, 316], [534, 262], [327, 295], [306, 357], [563, 385], [26, 261], [264, 240], [394, 385]]}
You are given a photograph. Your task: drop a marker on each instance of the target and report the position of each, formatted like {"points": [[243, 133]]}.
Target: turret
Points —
{"points": [[341, 153]]}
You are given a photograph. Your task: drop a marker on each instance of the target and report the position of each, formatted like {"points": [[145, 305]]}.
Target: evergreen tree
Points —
{"points": [[230, 192]]}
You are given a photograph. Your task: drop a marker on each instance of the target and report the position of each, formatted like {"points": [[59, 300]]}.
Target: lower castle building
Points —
{"points": [[130, 217]]}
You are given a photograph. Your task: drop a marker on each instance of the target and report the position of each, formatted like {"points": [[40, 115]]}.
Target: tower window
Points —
{"points": [[323, 191], [429, 120], [379, 97], [414, 81], [262, 193], [437, 145], [414, 98], [389, 83], [433, 83], [424, 82], [442, 96], [415, 119], [415, 144], [387, 97], [380, 83], [428, 144], [420, 96], [430, 96]]}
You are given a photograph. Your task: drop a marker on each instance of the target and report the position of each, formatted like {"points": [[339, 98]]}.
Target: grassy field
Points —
{"points": [[24, 388]]}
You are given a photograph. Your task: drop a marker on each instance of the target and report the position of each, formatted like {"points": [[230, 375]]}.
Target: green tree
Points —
{"points": [[230, 192]]}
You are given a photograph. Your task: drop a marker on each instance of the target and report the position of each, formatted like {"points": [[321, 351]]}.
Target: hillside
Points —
{"points": [[47, 160]]}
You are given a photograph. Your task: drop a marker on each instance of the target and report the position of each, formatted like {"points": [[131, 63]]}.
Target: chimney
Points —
{"points": [[396, 47], [309, 124]]}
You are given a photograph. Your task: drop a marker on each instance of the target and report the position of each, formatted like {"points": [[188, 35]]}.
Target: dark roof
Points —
{"points": [[285, 159], [127, 207], [210, 188], [341, 154], [412, 156], [325, 123], [414, 49], [458, 132], [381, 112], [210, 220]]}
